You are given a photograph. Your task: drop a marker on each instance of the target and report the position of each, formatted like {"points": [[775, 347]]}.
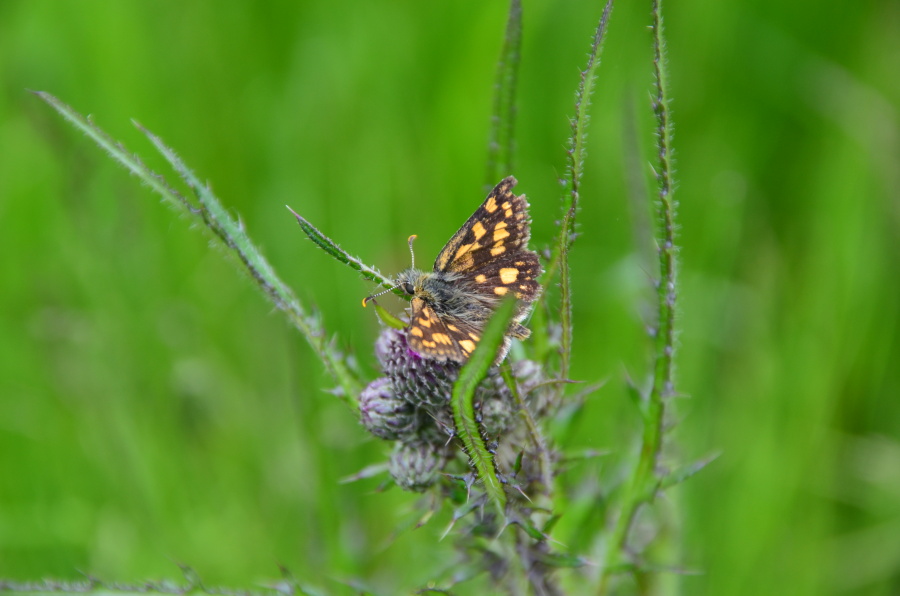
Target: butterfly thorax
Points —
{"points": [[447, 293]]}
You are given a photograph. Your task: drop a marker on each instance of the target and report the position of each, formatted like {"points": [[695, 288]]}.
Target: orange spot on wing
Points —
{"points": [[508, 275], [441, 338], [467, 344]]}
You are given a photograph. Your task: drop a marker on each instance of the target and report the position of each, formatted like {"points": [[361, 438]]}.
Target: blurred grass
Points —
{"points": [[153, 409]]}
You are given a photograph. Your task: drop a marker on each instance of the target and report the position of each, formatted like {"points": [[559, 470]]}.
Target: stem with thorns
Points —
{"points": [[646, 482], [217, 220], [575, 168], [501, 145]]}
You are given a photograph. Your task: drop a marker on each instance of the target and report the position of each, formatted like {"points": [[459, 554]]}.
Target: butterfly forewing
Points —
{"points": [[498, 228], [515, 274]]}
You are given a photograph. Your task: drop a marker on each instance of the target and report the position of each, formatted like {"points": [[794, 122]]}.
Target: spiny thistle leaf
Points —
{"points": [[338, 253], [470, 376], [684, 472]]}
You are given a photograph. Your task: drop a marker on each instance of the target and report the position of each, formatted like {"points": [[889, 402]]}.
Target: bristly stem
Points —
{"points": [[216, 219], [646, 480], [575, 156], [501, 146], [531, 425]]}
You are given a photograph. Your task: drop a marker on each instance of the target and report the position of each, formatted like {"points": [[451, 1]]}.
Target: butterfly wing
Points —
{"points": [[491, 249], [486, 259], [498, 226], [440, 339]]}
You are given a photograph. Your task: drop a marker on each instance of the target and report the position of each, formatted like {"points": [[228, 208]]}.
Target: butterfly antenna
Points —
{"points": [[413, 255], [374, 296]]}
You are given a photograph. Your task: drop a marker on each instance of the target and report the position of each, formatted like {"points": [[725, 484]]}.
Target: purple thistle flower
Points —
{"points": [[411, 404]]}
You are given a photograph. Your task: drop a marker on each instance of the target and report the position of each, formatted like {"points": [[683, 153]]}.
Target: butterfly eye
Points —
{"points": [[408, 288]]}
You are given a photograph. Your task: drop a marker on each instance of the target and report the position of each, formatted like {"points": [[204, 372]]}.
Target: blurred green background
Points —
{"points": [[155, 410]]}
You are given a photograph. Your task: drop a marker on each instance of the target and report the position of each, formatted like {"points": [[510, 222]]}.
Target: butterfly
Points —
{"points": [[485, 260]]}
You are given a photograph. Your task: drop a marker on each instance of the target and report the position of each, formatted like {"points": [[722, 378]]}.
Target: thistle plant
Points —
{"points": [[469, 432]]}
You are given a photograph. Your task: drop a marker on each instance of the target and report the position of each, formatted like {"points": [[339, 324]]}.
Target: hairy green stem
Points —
{"points": [[574, 170], [501, 146], [645, 481], [230, 231]]}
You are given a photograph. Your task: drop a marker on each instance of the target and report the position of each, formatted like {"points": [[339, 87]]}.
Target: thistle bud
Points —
{"points": [[416, 379], [415, 466], [495, 415], [383, 413]]}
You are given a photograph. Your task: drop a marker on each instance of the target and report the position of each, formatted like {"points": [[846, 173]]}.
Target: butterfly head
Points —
{"points": [[412, 281]]}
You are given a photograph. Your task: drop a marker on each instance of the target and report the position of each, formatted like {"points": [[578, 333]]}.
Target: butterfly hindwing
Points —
{"points": [[442, 338]]}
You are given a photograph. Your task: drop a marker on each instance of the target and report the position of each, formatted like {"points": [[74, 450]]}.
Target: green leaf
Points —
{"points": [[684, 472], [533, 532], [335, 251], [470, 376], [387, 318], [561, 560], [216, 219]]}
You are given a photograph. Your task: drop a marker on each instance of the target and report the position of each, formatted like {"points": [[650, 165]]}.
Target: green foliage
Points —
{"points": [[153, 408], [501, 145], [470, 375]]}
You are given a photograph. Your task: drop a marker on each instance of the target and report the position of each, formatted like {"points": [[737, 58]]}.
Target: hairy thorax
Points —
{"points": [[447, 293]]}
